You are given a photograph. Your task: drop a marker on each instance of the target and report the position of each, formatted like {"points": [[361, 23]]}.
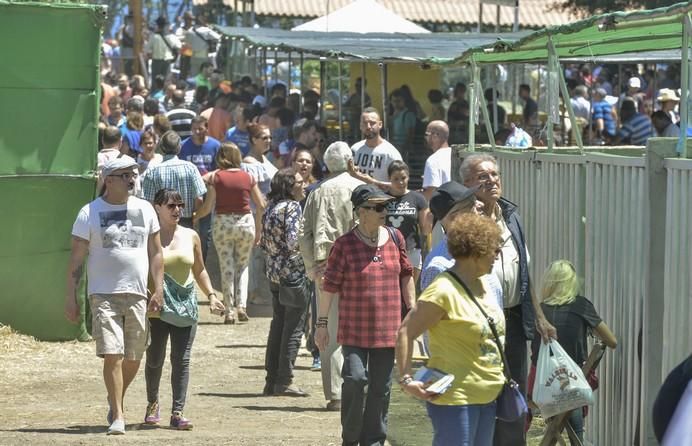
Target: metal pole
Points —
{"points": [[288, 85], [473, 102], [550, 95], [323, 87], [362, 87], [302, 69], [480, 16], [568, 103], [341, 131], [383, 89], [275, 66], [515, 26], [685, 85], [264, 73]]}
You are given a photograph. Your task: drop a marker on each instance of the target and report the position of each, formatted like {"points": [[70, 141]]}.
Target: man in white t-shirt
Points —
{"points": [[120, 235], [438, 166], [373, 155]]}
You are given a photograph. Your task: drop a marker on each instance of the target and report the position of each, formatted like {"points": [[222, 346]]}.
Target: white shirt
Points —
{"points": [[582, 107], [438, 168], [118, 237], [375, 161], [158, 48], [506, 266], [197, 38]]}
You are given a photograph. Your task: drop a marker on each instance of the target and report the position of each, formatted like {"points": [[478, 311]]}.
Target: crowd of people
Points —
{"points": [[350, 257]]}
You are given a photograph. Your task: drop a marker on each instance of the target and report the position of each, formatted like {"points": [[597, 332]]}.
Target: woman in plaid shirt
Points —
{"points": [[369, 270]]}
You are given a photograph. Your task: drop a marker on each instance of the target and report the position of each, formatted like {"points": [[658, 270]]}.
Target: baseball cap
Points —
{"points": [[121, 163], [449, 195], [367, 193], [634, 82]]}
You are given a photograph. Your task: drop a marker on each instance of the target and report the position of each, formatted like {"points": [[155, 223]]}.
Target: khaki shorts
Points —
{"points": [[414, 256], [119, 324]]}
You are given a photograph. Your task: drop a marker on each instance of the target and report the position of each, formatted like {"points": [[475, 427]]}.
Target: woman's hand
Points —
{"points": [[216, 306], [322, 338], [258, 238], [417, 389]]}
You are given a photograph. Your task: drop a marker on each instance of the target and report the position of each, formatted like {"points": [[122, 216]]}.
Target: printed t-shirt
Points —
{"points": [[402, 214], [201, 156], [118, 238], [463, 344], [240, 139], [375, 161]]}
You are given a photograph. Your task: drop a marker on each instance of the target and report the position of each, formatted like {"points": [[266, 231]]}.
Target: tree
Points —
{"points": [[584, 8]]}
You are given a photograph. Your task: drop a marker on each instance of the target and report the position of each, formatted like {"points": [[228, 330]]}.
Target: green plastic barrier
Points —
{"points": [[49, 89]]}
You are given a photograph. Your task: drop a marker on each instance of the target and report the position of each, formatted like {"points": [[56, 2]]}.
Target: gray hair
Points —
{"points": [[169, 144], [337, 156], [472, 161]]}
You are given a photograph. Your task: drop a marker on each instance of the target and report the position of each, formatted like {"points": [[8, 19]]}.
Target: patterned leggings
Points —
{"points": [[234, 235]]}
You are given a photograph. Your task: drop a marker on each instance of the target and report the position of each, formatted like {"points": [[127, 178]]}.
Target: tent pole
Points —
{"points": [[302, 66], [323, 87], [566, 99], [473, 103], [288, 85], [341, 131], [383, 89], [685, 85], [264, 72], [484, 111], [275, 66], [550, 95], [362, 88]]}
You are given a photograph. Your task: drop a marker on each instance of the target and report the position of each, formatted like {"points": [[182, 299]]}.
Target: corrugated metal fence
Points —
{"points": [[593, 209]]}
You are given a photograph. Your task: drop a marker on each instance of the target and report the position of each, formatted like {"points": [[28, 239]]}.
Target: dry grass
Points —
{"points": [[13, 342]]}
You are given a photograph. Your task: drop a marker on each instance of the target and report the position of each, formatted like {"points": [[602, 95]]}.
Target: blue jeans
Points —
{"points": [[470, 425], [576, 420], [365, 424]]}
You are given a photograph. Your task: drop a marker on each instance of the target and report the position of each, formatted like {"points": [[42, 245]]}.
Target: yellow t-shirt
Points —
{"points": [[464, 345]]}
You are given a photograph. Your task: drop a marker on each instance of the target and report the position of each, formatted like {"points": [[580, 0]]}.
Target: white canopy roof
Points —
{"points": [[362, 16]]}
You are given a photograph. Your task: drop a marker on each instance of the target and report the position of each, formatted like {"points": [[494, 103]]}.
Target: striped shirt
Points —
{"points": [[181, 121], [174, 173], [636, 130]]}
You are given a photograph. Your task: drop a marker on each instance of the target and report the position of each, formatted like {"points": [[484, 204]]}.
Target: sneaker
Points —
{"points": [[117, 427], [334, 405], [289, 390], [152, 415], [178, 421], [316, 364], [242, 315]]}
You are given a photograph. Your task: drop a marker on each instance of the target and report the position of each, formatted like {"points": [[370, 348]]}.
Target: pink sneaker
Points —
{"points": [[178, 421], [152, 415]]}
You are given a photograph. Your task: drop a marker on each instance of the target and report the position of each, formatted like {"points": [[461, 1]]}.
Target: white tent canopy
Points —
{"points": [[362, 16]]}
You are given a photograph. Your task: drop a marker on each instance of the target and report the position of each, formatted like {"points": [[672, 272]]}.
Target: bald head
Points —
{"points": [[436, 135]]}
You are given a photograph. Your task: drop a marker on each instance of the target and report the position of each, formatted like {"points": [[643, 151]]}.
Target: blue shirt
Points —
{"points": [[637, 129], [603, 110], [440, 260], [201, 156], [240, 139]]}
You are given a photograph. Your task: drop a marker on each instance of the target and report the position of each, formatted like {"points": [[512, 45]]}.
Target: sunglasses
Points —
{"points": [[376, 208], [172, 206]]}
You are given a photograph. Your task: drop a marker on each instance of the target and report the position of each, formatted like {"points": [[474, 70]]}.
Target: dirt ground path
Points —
{"points": [[53, 394]]}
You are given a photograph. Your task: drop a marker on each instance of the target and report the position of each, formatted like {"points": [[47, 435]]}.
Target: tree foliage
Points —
{"points": [[584, 8]]}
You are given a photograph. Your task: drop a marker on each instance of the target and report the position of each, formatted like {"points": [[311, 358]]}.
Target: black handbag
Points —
{"points": [[395, 237], [511, 404]]}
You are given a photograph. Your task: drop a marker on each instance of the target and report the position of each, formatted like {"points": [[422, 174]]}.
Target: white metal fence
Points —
{"points": [[593, 209]]}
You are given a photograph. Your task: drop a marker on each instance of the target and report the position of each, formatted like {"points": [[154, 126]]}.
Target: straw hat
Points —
{"points": [[666, 94]]}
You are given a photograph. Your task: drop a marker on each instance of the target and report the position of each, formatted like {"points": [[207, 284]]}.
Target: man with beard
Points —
{"points": [[373, 155], [119, 234]]}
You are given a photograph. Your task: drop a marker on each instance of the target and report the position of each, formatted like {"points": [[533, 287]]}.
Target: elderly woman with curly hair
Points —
{"points": [[461, 341]]}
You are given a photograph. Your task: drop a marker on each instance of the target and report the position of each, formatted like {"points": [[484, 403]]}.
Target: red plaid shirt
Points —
{"points": [[367, 280]]}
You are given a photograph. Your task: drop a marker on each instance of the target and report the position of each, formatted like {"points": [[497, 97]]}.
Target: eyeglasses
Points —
{"points": [[376, 208], [172, 206], [127, 176], [489, 176]]}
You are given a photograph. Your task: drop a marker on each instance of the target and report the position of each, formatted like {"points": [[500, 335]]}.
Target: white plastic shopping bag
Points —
{"points": [[560, 384]]}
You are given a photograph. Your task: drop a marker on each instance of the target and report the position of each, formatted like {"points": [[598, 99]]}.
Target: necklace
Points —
{"points": [[366, 237]]}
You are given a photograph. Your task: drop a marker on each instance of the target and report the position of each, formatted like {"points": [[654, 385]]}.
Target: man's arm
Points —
{"points": [[155, 252], [365, 178], [79, 251], [306, 236]]}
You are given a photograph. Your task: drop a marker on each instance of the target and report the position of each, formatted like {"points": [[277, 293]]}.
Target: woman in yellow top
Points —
{"points": [[183, 265], [461, 342]]}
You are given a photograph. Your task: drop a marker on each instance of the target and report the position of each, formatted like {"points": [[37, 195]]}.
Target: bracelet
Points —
{"points": [[212, 294], [405, 380], [321, 324]]}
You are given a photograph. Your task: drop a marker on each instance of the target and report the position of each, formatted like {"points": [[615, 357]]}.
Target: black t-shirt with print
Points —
{"points": [[572, 321], [402, 214]]}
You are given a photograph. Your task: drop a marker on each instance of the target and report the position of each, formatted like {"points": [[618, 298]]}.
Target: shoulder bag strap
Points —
{"points": [[170, 47], [490, 320]]}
